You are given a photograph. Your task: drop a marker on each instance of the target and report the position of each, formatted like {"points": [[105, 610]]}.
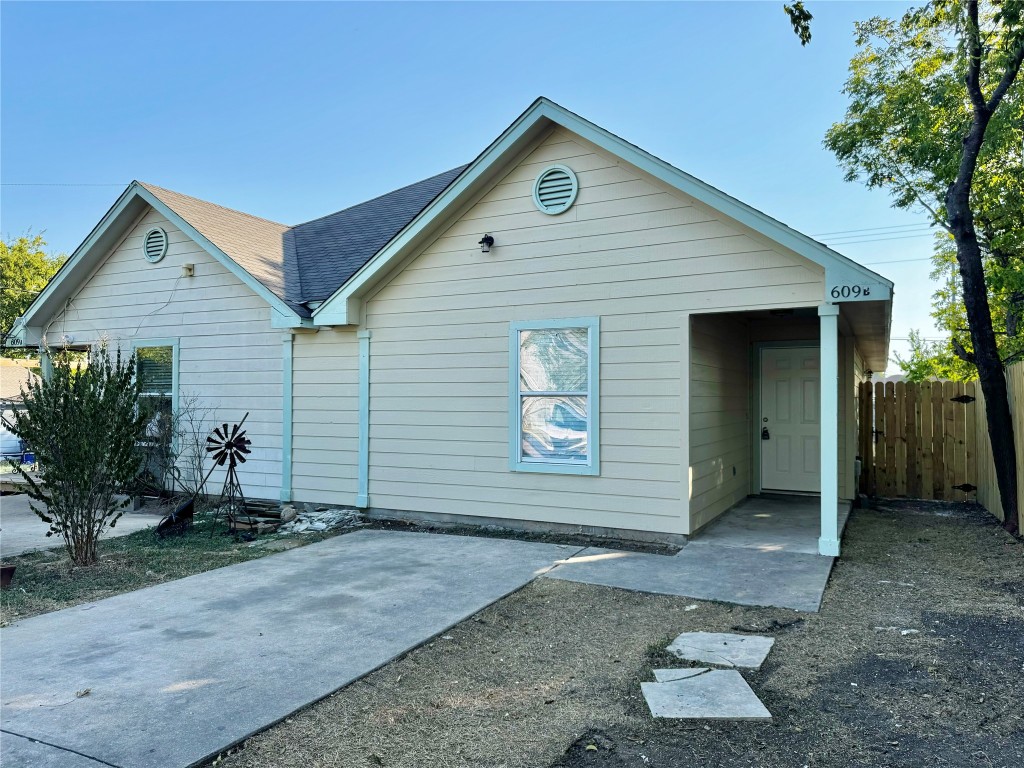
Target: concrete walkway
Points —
{"points": [[21, 530], [761, 552], [771, 524], [179, 672]]}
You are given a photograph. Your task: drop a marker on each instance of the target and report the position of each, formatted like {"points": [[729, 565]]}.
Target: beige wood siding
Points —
{"points": [[325, 416], [229, 359], [633, 252], [720, 420]]}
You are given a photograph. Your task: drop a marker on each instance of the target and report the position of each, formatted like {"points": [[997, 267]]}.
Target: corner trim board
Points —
{"points": [[287, 383], [686, 375], [363, 492]]}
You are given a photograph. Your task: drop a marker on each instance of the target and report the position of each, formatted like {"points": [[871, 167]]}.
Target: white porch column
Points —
{"points": [[828, 543]]}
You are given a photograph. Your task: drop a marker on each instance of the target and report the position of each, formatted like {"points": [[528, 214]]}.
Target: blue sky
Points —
{"points": [[293, 110]]}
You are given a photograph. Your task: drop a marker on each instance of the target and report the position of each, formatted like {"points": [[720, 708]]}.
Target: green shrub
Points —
{"points": [[85, 426]]}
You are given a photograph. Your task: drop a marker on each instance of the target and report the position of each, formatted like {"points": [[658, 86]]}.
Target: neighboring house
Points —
{"points": [[635, 351], [15, 378]]}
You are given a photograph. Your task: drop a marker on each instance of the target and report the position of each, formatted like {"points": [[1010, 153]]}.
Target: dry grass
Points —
{"points": [[511, 687], [541, 675], [47, 580]]}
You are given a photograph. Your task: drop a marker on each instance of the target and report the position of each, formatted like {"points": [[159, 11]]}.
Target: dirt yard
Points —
{"points": [[916, 659]]}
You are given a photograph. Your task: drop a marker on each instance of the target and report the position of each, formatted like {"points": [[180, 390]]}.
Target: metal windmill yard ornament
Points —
{"points": [[226, 447], [230, 447]]}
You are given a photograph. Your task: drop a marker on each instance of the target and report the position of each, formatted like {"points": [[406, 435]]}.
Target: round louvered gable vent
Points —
{"points": [[555, 189], [155, 245]]}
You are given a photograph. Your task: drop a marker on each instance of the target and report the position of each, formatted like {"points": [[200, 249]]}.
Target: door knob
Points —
{"points": [[764, 434]]}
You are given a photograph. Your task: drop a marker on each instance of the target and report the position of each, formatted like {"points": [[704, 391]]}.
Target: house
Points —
{"points": [[567, 332]]}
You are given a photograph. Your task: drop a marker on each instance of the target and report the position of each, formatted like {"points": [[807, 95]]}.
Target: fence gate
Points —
{"points": [[918, 439]]}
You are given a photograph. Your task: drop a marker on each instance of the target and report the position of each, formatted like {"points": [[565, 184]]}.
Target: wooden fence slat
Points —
{"points": [[948, 439], [866, 448], [938, 460], [879, 442], [911, 425], [988, 493], [925, 446], [890, 439], [927, 470], [900, 438], [971, 439], [960, 442]]}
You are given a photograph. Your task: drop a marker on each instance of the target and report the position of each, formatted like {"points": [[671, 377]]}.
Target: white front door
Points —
{"points": [[790, 433]]}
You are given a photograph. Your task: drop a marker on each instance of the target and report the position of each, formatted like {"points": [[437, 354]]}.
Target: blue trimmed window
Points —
{"points": [[553, 413]]}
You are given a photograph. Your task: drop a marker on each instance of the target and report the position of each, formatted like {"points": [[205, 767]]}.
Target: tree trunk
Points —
{"points": [[979, 319], [993, 381]]}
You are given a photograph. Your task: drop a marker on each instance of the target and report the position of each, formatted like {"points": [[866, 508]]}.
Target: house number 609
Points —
{"points": [[850, 291]]}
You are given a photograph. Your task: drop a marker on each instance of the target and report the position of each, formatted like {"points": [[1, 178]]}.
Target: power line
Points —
{"points": [[872, 229], [875, 240], [54, 184], [895, 261]]}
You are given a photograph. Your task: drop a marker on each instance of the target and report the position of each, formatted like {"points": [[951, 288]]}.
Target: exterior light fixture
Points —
{"points": [[485, 244]]}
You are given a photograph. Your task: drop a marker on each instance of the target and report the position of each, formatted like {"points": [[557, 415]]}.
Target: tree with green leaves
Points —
{"points": [[85, 426], [935, 116], [25, 268], [948, 359]]}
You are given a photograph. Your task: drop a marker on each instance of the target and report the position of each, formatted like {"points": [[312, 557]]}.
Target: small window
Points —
{"points": [[156, 381], [554, 387]]}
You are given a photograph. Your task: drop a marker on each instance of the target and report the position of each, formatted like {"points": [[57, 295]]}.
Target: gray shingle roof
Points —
{"points": [[323, 254], [308, 262], [253, 243]]}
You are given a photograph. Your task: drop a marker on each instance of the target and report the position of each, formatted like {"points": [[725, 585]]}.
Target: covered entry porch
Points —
{"points": [[773, 411], [773, 523]]}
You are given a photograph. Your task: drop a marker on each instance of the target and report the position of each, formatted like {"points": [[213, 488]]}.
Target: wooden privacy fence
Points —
{"points": [[919, 439], [929, 440], [988, 490]]}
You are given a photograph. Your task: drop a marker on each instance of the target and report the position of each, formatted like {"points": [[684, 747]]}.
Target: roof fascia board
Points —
{"points": [[73, 264], [342, 308], [282, 312], [838, 268], [282, 317]]}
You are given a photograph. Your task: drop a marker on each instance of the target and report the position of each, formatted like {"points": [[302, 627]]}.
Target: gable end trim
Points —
{"points": [[343, 307]]}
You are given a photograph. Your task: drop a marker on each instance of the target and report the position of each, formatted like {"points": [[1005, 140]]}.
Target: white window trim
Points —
{"points": [[564, 467]]}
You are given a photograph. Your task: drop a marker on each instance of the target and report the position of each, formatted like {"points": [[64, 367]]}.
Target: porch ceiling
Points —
{"points": [[870, 322]]}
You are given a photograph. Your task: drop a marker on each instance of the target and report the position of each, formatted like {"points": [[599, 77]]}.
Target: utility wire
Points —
{"points": [[54, 184], [875, 239], [896, 261], [872, 229]]}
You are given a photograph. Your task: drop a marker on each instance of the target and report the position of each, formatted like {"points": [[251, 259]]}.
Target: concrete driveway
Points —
{"points": [[168, 676], [22, 531]]}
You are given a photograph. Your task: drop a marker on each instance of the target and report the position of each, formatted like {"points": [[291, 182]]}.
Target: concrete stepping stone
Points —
{"points": [[708, 694], [723, 649]]}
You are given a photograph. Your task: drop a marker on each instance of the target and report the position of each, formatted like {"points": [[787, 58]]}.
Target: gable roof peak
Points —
{"points": [[165, 192]]}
